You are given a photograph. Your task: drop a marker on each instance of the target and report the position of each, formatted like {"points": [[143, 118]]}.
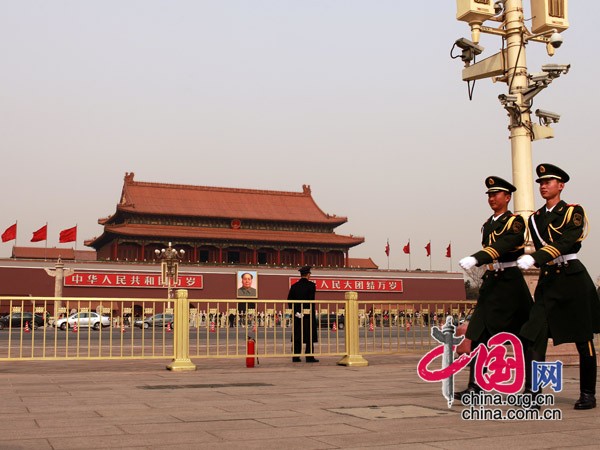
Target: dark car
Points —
{"points": [[18, 320], [327, 321]]}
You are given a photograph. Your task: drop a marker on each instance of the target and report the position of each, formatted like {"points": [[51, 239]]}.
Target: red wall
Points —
{"points": [[221, 283]]}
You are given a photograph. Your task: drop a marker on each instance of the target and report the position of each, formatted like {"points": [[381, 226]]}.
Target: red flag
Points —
{"points": [[68, 235], [428, 248], [41, 234], [449, 250], [406, 248], [10, 233], [387, 248]]}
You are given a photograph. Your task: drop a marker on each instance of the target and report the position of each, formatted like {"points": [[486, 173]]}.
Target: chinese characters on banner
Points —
{"points": [[132, 280], [355, 284]]}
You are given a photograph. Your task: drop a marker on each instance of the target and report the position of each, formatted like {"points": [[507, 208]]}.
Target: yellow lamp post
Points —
{"points": [[169, 268]]}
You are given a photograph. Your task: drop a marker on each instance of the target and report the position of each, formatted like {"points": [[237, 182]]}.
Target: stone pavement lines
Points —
{"points": [[37, 444], [531, 440], [394, 435], [283, 417]]}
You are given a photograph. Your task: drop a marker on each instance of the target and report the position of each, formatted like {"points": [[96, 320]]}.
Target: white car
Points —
{"points": [[83, 319]]}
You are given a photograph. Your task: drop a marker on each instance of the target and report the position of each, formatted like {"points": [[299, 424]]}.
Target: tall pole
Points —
{"points": [[520, 136], [169, 269], [510, 66], [59, 273]]}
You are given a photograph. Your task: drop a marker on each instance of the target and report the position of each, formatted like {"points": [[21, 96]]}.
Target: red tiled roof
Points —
{"points": [[362, 263], [53, 253], [227, 234], [217, 202]]}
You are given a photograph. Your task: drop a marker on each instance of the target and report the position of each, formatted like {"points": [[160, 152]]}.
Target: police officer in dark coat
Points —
{"points": [[567, 308], [305, 325], [504, 299]]}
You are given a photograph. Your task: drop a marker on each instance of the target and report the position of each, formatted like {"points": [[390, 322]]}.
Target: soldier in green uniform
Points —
{"points": [[567, 307], [504, 300]]}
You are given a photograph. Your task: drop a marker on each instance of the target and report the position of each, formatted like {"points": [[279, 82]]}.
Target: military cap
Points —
{"points": [[545, 171], [497, 184], [304, 270]]}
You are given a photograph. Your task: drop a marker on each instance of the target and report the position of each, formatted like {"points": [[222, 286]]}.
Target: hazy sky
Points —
{"points": [[358, 98]]}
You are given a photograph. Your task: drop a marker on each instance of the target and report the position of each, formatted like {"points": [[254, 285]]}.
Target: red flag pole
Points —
{"points": [[46, 240], [429, 245], [387, 253], [406, 249]]}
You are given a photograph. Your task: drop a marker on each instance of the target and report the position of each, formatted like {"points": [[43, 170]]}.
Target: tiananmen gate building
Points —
{"points": [[224, 233], [222, 225]]}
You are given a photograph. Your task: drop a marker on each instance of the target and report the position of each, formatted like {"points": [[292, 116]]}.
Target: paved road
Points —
{"points": [[278, 404]]}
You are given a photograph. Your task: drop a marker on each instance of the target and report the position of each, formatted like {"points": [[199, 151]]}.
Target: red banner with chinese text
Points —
{"points": [[355, 284], [130, 280]]}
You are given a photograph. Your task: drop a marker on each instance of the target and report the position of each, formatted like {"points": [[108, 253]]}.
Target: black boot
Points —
{"points": [[587, 375], [533, 399], [587, 400]]}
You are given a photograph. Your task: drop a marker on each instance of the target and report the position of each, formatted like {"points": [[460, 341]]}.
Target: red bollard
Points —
{"points": [[251, 351]]}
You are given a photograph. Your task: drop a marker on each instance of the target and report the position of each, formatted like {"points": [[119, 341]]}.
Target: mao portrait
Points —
{"points": [[247, 284]]}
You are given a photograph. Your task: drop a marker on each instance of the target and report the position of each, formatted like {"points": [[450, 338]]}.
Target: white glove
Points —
{"points": [[298, 315], [467, 262], [525, 262]]}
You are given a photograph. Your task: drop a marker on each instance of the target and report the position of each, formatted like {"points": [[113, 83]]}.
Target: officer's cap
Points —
{"points": [[497, 184], [304, 270], [546, 171]]}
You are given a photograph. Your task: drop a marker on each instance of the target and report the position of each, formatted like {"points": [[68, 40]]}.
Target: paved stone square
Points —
{"points": [[278, 404]]}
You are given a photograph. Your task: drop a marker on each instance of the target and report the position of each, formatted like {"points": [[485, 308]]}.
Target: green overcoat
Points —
{"points": [[504, 300], [565, 296]]}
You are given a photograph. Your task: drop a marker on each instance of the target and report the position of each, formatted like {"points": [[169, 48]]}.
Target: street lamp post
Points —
{"points": [[169, 273], [510, 66]]}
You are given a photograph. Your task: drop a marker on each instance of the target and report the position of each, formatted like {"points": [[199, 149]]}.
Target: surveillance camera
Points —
{"points": [[466, 44], [556, 40], [547, 117], [469, 50], [508, 98], [498, 7], [555, 70], [539, 77]]}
